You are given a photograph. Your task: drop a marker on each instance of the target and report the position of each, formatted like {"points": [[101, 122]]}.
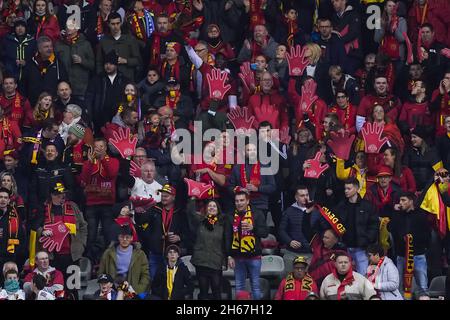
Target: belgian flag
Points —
{"points": [[431, 201]]}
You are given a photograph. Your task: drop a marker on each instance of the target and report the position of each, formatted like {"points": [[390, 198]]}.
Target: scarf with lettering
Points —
{"points": [[172, 102], [256, 13], [373, 276], [173, 70], [14, 225], [156, 47], [243, 241], [409, 267], [348, 280], [6, 133], [292, 30], [140, 21], [290, 288]]}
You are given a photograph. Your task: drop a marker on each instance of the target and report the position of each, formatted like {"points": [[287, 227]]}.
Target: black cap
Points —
{"points": [[58, 188], [172, 81], [112, 57], [105, 278], [126, 230]]}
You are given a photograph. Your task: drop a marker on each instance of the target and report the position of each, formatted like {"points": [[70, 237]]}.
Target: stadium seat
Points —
{"points": [[437, 287], [187, 261], [272, 266]]}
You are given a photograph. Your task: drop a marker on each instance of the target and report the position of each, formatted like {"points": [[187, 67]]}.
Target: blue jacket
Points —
{"points": [[13, 49]]}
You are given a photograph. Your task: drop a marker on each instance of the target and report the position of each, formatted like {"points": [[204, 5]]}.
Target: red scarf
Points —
{"points": [[41, 21], [256, 14], [44, 64], [6, 133], [172, 102], [156, 47], [344, 120], [99, 28], [136, 26], [14, 225], [373, 276], [292, 30], [255, 175], [348, 280], [68, 215], [167, 219], [384, 199], [173, 69], [409, 267], [256, 49], [421, 14]]}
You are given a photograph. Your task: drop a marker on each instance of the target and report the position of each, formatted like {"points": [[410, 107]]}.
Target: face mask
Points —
{"points": [[11, 286], [130, 97]]}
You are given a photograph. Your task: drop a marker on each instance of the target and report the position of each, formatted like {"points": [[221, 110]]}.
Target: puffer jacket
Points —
{"points": [[387, 281]]}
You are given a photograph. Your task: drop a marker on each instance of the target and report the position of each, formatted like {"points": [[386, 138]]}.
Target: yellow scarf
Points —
{"points": [[170, 279]]}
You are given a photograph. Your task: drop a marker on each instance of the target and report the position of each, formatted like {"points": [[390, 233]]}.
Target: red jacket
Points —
{"points": [[300, 292], [415, 114], [390, 103], [16, 108], [437, 13], [49, 28], [275, 103], [99, 181], [347, 117], [9, 135]]}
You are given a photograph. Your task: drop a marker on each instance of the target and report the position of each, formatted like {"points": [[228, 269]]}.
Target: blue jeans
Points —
{"points": [[420, 273], [360, 258], [253, 267], [154, 261]]}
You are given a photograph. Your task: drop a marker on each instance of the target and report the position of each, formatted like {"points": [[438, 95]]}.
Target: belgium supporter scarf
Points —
{"points": [[156, 46], [14, 225], [68, 217], [290, 288], [348, 280], [72, 39], [432, 203], [243, 241], [292, 30], [409, 267]]}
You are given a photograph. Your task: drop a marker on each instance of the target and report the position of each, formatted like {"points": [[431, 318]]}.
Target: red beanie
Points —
{"points": [[175, 46]]}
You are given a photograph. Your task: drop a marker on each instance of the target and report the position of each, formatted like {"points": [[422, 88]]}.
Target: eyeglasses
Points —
{"points": [[199, 50]]}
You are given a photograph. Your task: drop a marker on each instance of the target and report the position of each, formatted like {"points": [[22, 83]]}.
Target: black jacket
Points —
{"points": [[421, 165], [365, 224], [13, 49], [350, 19], [182, 284], [415, 223], [333, 51], [34, 82], [150, 230], [443, 147]]}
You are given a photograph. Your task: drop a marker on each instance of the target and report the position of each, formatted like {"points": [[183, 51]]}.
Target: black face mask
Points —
{"points": [[214, 41]]}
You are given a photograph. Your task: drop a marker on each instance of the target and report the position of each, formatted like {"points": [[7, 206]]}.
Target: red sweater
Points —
{"points": [[390, 103], [9, 135], [16, 108], [99, 181], [275, 102], [415, 114]]}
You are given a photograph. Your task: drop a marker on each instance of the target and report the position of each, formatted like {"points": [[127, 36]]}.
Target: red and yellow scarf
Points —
{"points": [[409, 267], [292, 30], [156, 47], [166, 217], [13, 223], [290, 290], [68, 216], [136, 26], [44, 64], [243, 241], [72, 39]]}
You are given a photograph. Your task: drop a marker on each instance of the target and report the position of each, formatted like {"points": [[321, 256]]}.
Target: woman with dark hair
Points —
{"points": [[403, 175], [212, 232], [150, 88], [42, 22], [130, 100]]}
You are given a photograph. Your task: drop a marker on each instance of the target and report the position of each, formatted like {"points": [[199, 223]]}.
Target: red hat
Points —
{"points": [[175, 46], [385, 171], [169, 189]]}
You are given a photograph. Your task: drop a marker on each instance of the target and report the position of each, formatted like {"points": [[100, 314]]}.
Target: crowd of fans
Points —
{"points": [[351, 97]]}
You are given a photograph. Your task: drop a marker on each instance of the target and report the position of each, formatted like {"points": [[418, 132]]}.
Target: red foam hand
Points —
{"points": [[372, 137], [199, 190], [239, 118], [409, 55], [446, 52], [216, 82], [341, 144], [284, 136], [141, 202], [268, 112], [123, 142], [108, 130], [316, 168], [247, 76], [135, 170], [420, 56], [297, 61], [54, 242], [308, 96]]}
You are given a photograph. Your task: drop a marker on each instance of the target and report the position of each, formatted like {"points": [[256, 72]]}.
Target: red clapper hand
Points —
{"points": [[216, 83], [248, 77], [135, 170], [308, 96], [446, 52], [240, 119], [409, 56], [316, 168], [60, 232], [284, 136], [199, 190], [268, 112], [341, 144], [123, 142], [372, 137], [297, 61], [141, 202]]}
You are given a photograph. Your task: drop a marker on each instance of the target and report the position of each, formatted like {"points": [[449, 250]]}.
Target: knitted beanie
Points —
{"points": [[77, 130]]}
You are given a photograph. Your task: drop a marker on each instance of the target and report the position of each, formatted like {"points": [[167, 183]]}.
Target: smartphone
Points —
{"points": [[253, 66]]}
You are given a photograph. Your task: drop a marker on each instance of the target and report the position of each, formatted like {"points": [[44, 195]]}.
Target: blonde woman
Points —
{"points": [[43, 110], [16, 201]]}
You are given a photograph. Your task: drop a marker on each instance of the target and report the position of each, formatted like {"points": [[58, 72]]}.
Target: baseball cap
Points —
{"points": [[300, 259], [105, 278], [169, 189], [384, 171]]}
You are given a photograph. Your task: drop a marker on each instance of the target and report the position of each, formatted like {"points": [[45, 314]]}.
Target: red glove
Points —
{"points": [[446, 52], [284, 136], [240, 119], [216, 83], [123, 142], [199, 190], [141, 202], [297, 61], [135, 170], [372, 137], [308, 96], [268, 112], [341, 144], [60, 232], [409, 55], [316, 168], [247, 76]]}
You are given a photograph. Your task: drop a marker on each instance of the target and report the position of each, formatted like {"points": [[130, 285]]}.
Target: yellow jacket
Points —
{"points": [[343, 173]]}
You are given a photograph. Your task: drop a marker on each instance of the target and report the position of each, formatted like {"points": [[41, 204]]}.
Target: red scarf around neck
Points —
{"points": [[348, 280], [167, 219], [384, 199]]}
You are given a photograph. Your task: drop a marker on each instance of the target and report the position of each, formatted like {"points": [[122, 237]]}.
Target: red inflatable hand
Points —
{"points": [[268, 112], [446, 52], [60, 232], [199, 190], [297, 61], [284, 136], [409, 55], [135, 170], [240, 119], [308, 96], [372, 137], [216, 82], [141, 202], [341, 144], [316, 168], [247, 76], [124, 142]]}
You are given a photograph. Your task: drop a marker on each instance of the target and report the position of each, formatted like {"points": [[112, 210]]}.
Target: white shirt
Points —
{"points": [[112, 77], [145, 190]]}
